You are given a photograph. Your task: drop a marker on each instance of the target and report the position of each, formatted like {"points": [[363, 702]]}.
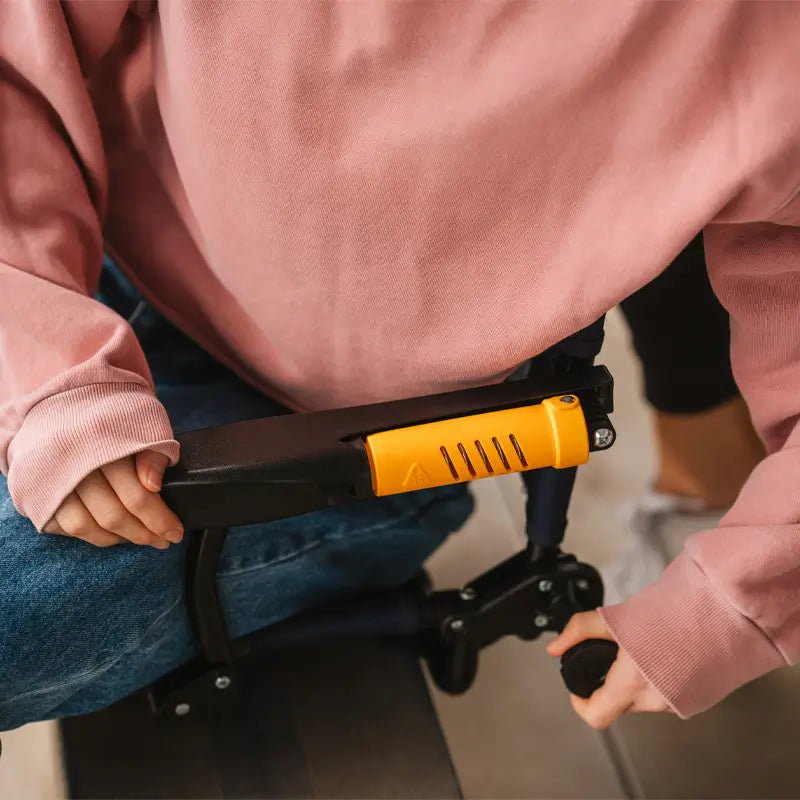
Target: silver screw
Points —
{"points": [[603, 437], [457, 625], [468, 594], [182, 709], [567, 399], [545, 586], [582, 584], [222, 682], [541, 621]]}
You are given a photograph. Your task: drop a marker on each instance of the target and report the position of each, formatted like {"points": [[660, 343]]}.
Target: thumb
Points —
{"points": [[150, 468], [586, 625]]}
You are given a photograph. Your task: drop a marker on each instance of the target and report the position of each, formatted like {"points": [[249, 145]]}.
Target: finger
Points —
{"points": [[608, 703], [147, 507], [53, 527], [598, 718], [150, 467], [75, 520], [110, 514], [585, 625], [649, 700]]}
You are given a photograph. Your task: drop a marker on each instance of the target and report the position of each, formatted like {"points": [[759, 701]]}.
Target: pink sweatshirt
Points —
{"points": [[366, 200]]}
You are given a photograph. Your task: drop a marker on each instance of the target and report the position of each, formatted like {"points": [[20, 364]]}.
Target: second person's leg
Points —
{"points": [[705, 441]]}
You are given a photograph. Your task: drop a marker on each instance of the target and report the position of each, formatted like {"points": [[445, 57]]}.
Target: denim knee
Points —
{"points": [[82, 626], [69, 611], [269, 572]]}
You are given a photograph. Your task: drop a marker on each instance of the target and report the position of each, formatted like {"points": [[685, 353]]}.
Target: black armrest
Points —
{"points": [[268, 469]]}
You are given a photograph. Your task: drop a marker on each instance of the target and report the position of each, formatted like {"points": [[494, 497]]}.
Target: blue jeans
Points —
{"points": [[82, 627]]}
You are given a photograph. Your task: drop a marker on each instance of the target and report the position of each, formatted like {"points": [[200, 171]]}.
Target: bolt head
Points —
{"points": [[222, 682], [545, 585], [457, 625], [541, 621], [603, 437], [182, 709], [567, 399], [468, 594]]}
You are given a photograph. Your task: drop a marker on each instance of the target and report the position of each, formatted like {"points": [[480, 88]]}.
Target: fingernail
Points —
{"points": [[160, 544], [174, 536], [154, 479]]}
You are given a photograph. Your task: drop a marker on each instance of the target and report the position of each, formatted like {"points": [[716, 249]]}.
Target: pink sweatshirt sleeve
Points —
{"points": [[728, 609], [75, 390]]}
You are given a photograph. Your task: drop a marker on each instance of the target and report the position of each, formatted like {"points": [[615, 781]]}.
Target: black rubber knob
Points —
{"points": [[584, 667]]}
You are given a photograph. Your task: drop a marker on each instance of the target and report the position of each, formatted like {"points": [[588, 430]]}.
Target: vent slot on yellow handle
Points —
{"points": [[518, 450], [448, 461], [484, 457], [463, 451], [501, 452], [550, 434]]}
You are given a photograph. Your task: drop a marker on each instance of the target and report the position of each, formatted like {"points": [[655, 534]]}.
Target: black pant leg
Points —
{"points": [[681, 334]]}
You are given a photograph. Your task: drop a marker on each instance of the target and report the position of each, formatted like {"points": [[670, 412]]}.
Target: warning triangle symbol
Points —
{"points": [[416, 478]]}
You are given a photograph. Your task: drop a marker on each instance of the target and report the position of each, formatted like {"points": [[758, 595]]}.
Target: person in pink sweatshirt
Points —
{"points": [[325, 204]]}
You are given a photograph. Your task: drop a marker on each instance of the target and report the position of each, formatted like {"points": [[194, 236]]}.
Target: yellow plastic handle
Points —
{"points": [[550, 434]]}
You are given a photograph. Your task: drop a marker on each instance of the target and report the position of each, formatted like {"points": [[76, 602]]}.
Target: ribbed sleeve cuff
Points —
{"points": [[68, 435], [688, 640]]}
